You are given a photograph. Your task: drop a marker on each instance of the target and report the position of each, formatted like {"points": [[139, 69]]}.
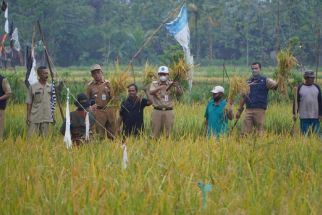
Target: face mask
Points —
{"points": [[255, 72], [217, 98], [163, 78]]}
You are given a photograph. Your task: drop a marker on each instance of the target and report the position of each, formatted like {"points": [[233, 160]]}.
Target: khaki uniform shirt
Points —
{"points": [[162, 98], [100, 92], [39, 98], [5, 86]]}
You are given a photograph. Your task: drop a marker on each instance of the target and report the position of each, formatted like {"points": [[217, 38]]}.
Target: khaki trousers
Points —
{"points": [[107, 122], [254, 118], [1, 124], [161, 120], [40, 129]]}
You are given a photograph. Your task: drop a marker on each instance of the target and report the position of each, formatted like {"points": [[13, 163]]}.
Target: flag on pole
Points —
{"points": [[15, 39], [179, 28], [53, 100], [6, 25], [31, 75], [125, 157], [67, 137]]}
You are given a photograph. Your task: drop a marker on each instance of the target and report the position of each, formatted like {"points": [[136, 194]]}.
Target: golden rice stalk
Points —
{"points": [[149, 74], [118, 82], [237, 86], [285, 63], [180, 71]]}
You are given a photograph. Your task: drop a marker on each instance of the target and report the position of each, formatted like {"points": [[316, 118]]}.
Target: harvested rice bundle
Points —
{"points": [[118, 82], [237, 85], [180, 71], [149, 74], [285, 62]]}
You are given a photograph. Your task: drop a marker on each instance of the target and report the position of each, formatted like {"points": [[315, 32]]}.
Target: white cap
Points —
{"points": [[163, 69], [218, 89]]}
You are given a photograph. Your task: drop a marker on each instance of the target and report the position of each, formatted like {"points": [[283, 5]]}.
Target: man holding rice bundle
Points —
{"points": [[216, 115], [99, 92], [256, 101], [308, 104], [162, 92]]}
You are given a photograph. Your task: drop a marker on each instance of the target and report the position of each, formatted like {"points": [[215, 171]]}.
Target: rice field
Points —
{"points": [[277, 173]]}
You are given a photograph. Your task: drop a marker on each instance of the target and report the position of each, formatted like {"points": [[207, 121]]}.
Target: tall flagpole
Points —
{"points": [[49, 66]]}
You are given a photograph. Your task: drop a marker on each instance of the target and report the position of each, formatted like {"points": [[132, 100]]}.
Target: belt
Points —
{"points": [[101, 107], [163, 109]]}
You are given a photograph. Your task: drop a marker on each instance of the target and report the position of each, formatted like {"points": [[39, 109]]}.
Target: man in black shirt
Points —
{"points": [[132, 112]]}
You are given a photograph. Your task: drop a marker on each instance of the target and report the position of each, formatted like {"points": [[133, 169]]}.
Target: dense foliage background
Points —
{"points": [[81, 32]]}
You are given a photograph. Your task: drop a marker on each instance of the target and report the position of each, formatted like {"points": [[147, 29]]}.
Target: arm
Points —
{"points": [[7, 90], [296, 100], [206, 118], [240, 107], [179, 91], [155, 90], [29, 101], [319, 102], [230, 114], [271, 84], [28, 113], [148, 102]]}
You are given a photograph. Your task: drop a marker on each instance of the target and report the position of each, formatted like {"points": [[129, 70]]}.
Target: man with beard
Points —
{"points": [[132, 112], [216, 115]]}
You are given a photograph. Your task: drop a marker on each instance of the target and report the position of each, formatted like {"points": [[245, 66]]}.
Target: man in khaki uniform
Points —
{"points": [[162, 92], [5, 92], [99, 92], [256, 101], [38, 104]]}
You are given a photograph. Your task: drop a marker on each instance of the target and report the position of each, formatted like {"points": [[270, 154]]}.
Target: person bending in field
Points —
{"points": [[256, 101], [77, 120], [132, 112], [309, 105], [216, 115]]}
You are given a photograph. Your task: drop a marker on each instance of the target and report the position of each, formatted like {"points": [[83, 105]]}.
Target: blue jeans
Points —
{"points": [[309, 126]]}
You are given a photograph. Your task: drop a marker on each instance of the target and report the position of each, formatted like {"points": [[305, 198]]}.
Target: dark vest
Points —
{"points": [[258, 95], [3, 103]]}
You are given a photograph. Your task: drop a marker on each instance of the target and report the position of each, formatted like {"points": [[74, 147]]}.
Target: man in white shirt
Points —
{"points": [[309, 105]]}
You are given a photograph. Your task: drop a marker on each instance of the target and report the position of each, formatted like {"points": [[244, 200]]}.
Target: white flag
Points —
{"points": [[179, 28], [6, 25], [67, 137], [125, 158], [15, 38], [32, 79], [87, 126]]}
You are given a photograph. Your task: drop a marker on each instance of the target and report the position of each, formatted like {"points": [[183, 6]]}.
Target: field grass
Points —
{"points": [[278, 173]]}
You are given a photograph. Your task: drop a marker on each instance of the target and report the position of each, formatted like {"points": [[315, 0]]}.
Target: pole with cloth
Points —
{"points": [[54, 96]]}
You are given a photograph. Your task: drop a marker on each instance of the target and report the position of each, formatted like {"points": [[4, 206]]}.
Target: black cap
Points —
{"points": [[309, 74], [82, 101]]}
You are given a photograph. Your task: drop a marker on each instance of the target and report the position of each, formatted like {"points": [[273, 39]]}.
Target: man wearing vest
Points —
{"points": [[309, 105], [162, 93], [256, 100], [5, 92]]}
